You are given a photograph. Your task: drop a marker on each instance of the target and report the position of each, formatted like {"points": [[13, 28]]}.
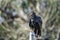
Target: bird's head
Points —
{"points": [[33, 15]]}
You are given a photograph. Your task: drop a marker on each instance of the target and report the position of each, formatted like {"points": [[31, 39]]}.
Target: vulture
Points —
{"points": [[35, 23]]}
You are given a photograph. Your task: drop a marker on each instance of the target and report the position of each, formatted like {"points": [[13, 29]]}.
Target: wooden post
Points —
{"points": [[31, 36]]}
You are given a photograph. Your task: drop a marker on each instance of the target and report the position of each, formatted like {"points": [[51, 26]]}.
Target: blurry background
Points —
{"points": [[18, 28]]}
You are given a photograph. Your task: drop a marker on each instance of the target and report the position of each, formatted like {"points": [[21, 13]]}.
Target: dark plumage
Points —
{"points": [[35, 23]]}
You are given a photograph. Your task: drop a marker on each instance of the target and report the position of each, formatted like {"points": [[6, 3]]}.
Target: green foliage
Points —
{"points": [[11, 38], [51, 36], [33, 2], [24, 4], [1, 28]]}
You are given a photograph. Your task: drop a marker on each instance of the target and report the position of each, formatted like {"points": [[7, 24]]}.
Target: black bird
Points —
{"points": [[35, 23]]}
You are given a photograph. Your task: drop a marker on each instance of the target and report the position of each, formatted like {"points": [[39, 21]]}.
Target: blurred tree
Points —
{"points": [[49, 10]]}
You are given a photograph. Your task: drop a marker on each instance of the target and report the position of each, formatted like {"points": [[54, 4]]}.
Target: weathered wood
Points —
{"points": [[31, 36]]}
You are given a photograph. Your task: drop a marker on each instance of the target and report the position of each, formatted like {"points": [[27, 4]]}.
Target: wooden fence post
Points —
{"points": [[31, 36]]}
